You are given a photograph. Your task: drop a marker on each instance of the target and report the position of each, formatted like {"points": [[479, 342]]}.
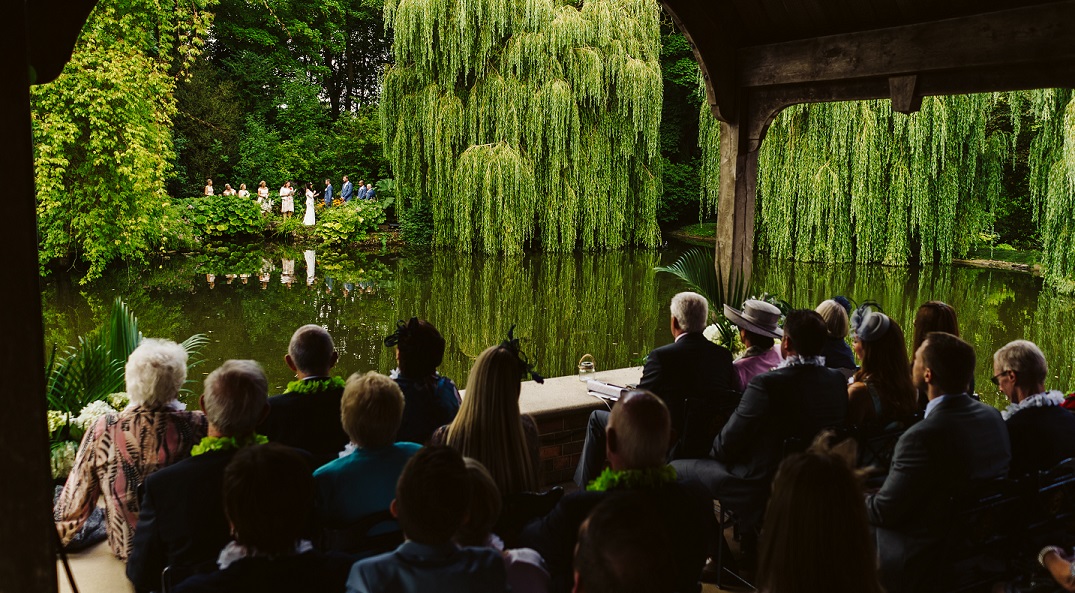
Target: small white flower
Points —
{"points": [[56, 420], [712, 333], [119, 400]]}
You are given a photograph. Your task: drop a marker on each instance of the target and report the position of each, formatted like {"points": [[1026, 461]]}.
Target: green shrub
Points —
{"points": [[224, 216], [349, 223], [416, 224]]}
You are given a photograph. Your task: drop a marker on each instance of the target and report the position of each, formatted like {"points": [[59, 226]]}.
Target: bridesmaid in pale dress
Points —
{"points": [[242, 191], [208, 187], [263, 198], [287, 200]]}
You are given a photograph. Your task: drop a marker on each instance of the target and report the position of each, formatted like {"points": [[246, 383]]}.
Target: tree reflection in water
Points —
{"points": [[611, 305]]}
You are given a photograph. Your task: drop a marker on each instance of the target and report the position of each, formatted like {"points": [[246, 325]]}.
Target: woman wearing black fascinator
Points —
{"points": [[432, 400]]}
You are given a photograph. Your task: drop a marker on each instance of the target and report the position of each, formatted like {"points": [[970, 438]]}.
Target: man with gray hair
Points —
{"points": [[181, 523], [639, 435], [1042, 432], [690, 367], [307, 414]]}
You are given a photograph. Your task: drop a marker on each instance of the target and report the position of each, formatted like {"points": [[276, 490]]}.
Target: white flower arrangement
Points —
{"points": [[712, 333], [57, 420], [119, 401], [91, 413]]}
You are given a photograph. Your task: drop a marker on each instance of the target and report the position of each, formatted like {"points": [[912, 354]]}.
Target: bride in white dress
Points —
{"points": [[308, 219]]}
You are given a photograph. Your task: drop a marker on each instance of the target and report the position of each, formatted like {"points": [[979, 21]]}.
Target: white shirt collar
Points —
{"points": [[933, 403]]}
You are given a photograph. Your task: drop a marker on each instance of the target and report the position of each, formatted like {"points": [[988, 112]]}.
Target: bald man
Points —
{"points": [[307, 415], [639, 435]]}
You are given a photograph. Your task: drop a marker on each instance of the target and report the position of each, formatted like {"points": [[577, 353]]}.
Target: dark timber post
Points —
{"points": [[735, 207], [26, 537]]}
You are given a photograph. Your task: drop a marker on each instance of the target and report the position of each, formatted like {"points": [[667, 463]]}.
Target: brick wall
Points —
{"points": [[562, 434]]}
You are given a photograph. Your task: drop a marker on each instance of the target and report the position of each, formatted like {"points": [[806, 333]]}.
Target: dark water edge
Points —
{"points": [[249, 299]]}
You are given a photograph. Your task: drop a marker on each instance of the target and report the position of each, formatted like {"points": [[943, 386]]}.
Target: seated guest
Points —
{"points": [[120, 449], [181, 523], [690, 367], [364, 481], [816, 536], [490, 428], [1042, 433], [431, 503], [639, 435], [1061, 566], [432, 400], [307, 415], [624, 547], [791, 403], [882, 392], [959, 442], [525, 567], [933, 316], [836, 351], [758, 328], [269, 554]]}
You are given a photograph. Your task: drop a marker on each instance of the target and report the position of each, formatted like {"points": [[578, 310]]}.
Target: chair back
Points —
{"points": [[1051, 499], [356, 538], [523, 507], [703, 418]]}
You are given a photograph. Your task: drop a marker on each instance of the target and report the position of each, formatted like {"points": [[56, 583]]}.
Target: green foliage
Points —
{"points": [[224, 216], [679, 129], [681, 187], [698, 269], [94, 369], [531, 119], [349, 223], [416, 225], [102, 132]]}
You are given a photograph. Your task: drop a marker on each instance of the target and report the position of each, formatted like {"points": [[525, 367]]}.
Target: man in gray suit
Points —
{"points": [[781, 408], [960, 442]]}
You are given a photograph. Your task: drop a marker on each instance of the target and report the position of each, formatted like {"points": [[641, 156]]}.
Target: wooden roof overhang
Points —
{"points": [[760, 56]]}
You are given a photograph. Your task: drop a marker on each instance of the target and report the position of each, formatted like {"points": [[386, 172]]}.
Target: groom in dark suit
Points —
{"points": [[690, 367], [788, 405], [960, 442]]}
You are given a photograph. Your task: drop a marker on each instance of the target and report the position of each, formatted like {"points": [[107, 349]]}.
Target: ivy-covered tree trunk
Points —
{"points": [[523, 119]]}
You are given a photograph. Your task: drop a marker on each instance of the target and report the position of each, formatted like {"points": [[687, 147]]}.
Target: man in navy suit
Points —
{"points": [[328, 192], [361, 189], [347, 190], [181, 523], [690, 367], [959, 443]]}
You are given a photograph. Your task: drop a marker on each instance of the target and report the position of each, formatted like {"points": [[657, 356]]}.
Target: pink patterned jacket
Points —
{"points": [[117, 453]]}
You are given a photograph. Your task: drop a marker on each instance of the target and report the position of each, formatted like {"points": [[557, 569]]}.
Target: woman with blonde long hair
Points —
{"points": [[489, 427]]}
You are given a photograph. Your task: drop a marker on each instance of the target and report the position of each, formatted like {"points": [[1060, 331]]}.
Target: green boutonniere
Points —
{"points": [[633, 478], [227, 443], [314, 385]]}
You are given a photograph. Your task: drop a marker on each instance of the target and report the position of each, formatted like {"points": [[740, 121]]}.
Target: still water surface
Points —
{"points": [[248, 300]]}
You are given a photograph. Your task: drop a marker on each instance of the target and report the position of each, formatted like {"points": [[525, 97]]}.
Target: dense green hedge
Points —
{"points": [[224, 216]]}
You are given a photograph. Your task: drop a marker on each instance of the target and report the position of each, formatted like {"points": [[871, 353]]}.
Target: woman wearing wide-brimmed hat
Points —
{"points": [[759, 328]]}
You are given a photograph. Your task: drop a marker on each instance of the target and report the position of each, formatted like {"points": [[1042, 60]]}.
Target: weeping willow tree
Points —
{"points": [[853, 181], [516, 120]]}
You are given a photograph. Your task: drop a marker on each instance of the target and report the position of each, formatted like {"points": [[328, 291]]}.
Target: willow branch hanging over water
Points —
{"points": [[516, 120], [842, 182]]}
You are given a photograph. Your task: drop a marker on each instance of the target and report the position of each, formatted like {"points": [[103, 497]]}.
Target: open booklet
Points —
{"points": [[605, 390]]}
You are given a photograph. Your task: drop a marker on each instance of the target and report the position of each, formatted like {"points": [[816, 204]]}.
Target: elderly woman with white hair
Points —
{"points": [[120, 449]]}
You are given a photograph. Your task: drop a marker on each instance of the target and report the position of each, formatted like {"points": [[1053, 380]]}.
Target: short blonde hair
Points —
{"points": [[236, 395], [155, 372], [371, 409], [835, 316]]}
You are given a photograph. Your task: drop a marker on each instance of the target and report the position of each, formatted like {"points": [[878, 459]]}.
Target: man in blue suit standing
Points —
{"points": [[347, 190], [328, 193], [361, 189]]}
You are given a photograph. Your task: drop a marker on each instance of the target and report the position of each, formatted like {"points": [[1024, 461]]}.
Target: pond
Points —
{"points": [[249, 299]]}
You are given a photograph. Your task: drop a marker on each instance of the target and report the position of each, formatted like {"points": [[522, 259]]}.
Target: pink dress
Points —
{"points": [[747, 368], [117, 453]]}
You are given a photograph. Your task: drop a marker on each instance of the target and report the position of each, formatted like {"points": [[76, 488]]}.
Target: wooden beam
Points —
{"points": [[904, 96], [1008, 37], [27, 563], [714, 54]]}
